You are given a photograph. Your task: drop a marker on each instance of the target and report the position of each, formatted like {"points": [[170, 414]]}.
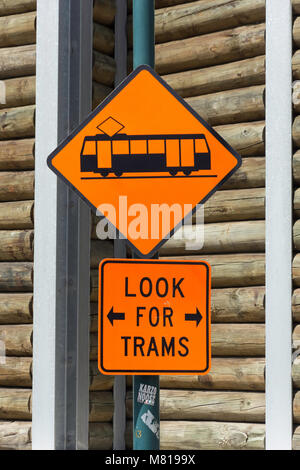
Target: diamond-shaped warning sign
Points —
{"points": [[142, 154]]}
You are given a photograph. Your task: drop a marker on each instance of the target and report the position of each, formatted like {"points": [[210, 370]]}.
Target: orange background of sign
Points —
{"points": [[196, 290], [145, 107]]}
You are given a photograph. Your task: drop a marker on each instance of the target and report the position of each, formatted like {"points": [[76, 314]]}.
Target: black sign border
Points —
{"points": [[99, 108], [101, 314]]}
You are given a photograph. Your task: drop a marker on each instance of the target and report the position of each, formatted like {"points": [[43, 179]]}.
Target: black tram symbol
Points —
{"points": [[122, 153]]}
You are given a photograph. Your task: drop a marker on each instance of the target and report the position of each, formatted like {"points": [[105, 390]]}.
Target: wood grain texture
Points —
{"points": [[11, 7], [205, 16], [17, 122], [207, 435], [296, 167], [296, 305], [99, 381], [296, 131], [210, 49], [242, 73], [16, 277], [235, 270], [103, 39], [100, 436], [99, 93], [16, 245], [103, 69], [296, 439], [104, 11], [18, 30], [16, 186], [248, 139], [296, 407], [100, 250], [16, 308], [233, 205], [16, 215], [167, 3], [238, 305], [203, 435], [17, 340], [296, 270], [223, 237], [225, 374], [101, 407], [238, 340], [296, 372], [17, 92], [296, 6], [17, 61], [231, 106], [296, 337], [15, 403], [17, 155], [16, 372], [250, 175], [15, 435], [193, 405]]}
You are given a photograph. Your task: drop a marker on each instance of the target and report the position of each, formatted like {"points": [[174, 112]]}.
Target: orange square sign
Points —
{"points": [[144, 148], [154, 317]]}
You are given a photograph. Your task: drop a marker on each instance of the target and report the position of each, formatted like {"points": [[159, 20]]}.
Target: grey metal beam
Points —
{"points": [[62, 232], [278, 225]]}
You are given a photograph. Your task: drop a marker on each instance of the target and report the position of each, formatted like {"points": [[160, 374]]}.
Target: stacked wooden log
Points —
{"points": [[212, 52], [296, 213], [104, 45], [17, 129]]}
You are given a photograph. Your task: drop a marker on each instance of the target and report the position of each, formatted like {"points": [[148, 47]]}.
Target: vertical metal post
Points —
{"points": [[119, 421], [146, 422], [278, 225], [62, 232], [143, 33]]}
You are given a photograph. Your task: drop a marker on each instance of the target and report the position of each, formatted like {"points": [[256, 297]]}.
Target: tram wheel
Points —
{"points": [[104, 173], [187, 172], [173, 172], [118, 173]]}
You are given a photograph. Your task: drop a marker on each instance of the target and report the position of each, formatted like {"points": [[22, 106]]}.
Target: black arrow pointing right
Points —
{"points": [[112, 316], [197, 317]]}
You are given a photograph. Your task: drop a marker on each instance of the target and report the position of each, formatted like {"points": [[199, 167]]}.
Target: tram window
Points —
{"points": [[156, 146], [201, 146], [139, 147], [89, 147], [121, 147]]}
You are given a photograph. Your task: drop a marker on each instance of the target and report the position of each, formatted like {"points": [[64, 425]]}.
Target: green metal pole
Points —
{"points": [[145, 387], [143, 33]]}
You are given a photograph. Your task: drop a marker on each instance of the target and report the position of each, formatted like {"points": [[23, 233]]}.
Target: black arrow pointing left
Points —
{"points": [[112, 316]]}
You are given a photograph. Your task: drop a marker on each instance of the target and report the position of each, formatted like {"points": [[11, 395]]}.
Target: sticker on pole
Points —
{"points": [[154, 317], [144, 149]]}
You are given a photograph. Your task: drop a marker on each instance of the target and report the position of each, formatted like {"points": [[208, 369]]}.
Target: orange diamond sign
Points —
{"points": [[143, 149]]}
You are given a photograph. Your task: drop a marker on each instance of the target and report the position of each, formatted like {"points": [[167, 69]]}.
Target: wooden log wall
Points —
{"points": [[296, 213], [212, 52], [17, 130]]}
